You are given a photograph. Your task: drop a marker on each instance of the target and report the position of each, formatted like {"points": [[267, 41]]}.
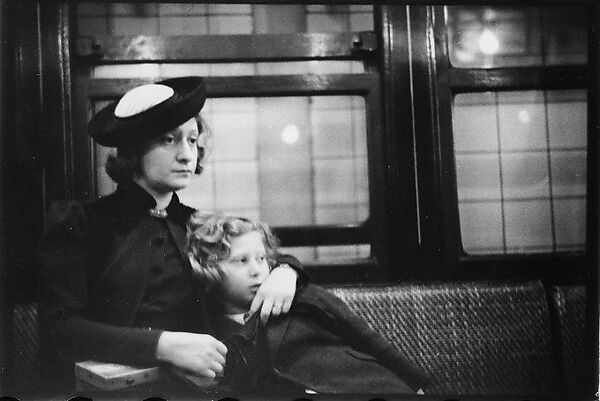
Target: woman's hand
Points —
{"points": [[199, 354], [274, 297]]}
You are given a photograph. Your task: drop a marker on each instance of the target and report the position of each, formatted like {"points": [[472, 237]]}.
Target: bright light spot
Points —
{"points": [[290, 134], [524, 116], [488, 42]]}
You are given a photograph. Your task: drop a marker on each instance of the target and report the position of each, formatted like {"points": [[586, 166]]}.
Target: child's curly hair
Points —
{"points": [[209, 242]]}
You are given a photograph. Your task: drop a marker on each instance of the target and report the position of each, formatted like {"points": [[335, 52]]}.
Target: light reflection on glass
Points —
{"points": [[488, 42], [290, 134], [524, 116], [491, 37]]}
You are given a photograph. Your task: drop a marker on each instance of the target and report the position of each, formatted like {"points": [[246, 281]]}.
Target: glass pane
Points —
{"points": [[329, 254], [288, 161], [219, 19], [521, 170], [489, 37], [157, 71]]}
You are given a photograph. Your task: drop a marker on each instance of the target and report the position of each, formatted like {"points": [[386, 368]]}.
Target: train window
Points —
{"points": [[489, 37], [521, 170]]}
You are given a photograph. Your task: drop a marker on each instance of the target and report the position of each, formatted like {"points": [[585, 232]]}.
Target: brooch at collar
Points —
{"points": [[158, 213]]}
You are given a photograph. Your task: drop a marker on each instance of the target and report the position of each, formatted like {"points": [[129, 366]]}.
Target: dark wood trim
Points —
{"points": [[247, 86], [401, 189], [56, 101], [593, 209], [558, 77], [428, 157], [376, 175], [353, 272], [557, 269], [450, 221], [85, 179], [224, 48], [7, 129], [384, 2], [22, 150], [323, 235]]}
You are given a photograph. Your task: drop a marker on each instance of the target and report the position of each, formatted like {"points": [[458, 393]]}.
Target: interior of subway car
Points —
{"points": [[434, 165]]}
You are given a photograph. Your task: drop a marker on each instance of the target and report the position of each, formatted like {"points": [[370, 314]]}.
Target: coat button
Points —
{"points": [[156, 269]]}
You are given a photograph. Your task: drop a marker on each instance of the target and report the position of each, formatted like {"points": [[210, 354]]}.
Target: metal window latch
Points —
{"points": [[364, 42]]}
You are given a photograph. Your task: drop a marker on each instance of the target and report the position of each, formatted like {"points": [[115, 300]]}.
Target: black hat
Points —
{"points": [[148, 111]]}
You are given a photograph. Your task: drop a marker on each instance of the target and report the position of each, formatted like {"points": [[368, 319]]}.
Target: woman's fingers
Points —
{"points": [[218, 368], [287, 304], [275, 295], [256, 303], [221, 348], [266, 309], [276, 311]]}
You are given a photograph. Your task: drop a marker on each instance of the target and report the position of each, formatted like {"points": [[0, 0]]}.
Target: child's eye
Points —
{"points": [[192, 140]]}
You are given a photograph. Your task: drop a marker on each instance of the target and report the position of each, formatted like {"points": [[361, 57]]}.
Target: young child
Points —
{"points": [[319, 346]]}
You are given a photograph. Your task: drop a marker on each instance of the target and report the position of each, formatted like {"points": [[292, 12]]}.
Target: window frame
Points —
{"points": [[447, 81]]}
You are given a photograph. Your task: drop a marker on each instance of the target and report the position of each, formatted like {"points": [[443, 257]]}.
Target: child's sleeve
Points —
{"points": [[282, 259]]}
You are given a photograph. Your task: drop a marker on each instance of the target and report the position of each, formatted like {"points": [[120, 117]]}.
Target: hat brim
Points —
{"points": [[187, 101]]}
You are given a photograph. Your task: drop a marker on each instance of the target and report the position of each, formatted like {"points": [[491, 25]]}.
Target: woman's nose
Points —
{"points": [[186, 153]]}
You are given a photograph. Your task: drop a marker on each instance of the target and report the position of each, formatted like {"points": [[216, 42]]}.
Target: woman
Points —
{"points": [[116, 284]]}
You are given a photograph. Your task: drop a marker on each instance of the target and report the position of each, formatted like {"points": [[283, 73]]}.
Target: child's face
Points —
{"points": [[243, 271]]}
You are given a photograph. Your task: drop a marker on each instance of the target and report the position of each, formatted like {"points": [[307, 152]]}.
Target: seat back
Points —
{"points": [[569, 304], [472, 338], [25, 340]]}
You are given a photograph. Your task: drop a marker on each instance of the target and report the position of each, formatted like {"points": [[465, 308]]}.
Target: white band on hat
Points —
{"points": [[142, 98]]}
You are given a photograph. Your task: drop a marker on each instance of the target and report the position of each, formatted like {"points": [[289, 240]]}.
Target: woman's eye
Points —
{"points": [[168, 140], [192, 140]]}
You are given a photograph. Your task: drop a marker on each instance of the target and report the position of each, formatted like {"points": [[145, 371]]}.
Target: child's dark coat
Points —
{"points": [[320, 345]]}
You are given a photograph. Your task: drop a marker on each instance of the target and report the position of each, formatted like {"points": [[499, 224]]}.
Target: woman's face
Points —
{"points": [[170, 161], [243, 271]]}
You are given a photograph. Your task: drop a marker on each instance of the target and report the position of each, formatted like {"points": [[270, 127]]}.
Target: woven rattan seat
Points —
{"points": [[569, 306], [472, 338]]}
